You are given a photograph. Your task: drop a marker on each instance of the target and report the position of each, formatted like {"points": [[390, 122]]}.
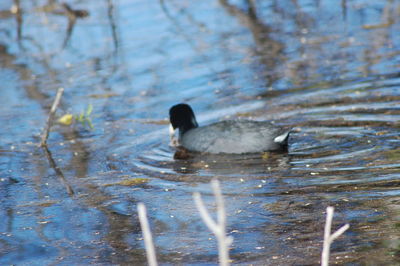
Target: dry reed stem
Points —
{"points": [[148, 239], [217, 228], [328, 237], [50, 118]]}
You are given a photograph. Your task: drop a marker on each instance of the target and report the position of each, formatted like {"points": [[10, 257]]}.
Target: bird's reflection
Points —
{"points": [[186, 162]]}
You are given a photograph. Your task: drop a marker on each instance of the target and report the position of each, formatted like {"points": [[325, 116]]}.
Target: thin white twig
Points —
{"points": [[327, 233], [220, 203], [204, 213], [340, 231], [148, 240], [328, 237], [218, 228], [50, 118]]}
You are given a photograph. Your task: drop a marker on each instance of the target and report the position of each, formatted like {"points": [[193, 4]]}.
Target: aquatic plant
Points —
{"points": [[83, 118]]}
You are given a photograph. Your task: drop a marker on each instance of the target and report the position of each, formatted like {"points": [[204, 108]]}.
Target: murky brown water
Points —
{"points": [[329, 69]]}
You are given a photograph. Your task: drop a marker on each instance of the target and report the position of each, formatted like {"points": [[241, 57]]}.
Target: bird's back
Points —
{"points": [[234, 136]]}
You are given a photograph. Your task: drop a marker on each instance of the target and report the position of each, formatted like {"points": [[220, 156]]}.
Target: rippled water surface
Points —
{"points": [[328, 69]]}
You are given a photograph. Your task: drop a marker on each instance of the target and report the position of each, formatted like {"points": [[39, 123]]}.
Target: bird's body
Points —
{"points": [[230, 136]]}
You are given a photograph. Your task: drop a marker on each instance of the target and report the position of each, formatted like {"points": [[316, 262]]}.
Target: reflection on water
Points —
{"points": [[326, 69]]}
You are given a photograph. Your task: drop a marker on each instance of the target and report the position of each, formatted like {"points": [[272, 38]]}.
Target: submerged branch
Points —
{"points": [[72, 15], [58, 171], [111, 19], [18, 16]]}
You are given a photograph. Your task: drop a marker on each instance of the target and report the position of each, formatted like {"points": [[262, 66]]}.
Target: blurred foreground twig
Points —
{"points": [[328, 237], [148, 239], [218, 228]]}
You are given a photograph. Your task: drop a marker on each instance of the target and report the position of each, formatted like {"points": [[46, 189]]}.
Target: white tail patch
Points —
{"points": [[173, 140], [171, 130], [282, 138]]}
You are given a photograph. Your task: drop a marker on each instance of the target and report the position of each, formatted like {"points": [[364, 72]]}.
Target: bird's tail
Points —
{"points": [[283, 138]]}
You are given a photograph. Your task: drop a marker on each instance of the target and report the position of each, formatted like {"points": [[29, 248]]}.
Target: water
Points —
{"points": [[327, 69]]}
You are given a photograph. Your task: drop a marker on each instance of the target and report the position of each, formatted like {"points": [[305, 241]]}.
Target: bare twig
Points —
{"points": [[218, 228], [328, 237], [148, 240], [50, 118]]}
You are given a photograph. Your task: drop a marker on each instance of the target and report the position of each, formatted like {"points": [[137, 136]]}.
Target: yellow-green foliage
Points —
{"points": [[83, 118]]}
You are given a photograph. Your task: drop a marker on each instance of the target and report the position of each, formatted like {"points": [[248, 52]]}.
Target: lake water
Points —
{"points": [[328, 69]]}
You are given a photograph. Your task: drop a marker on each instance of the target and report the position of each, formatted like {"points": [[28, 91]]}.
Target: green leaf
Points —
{"points": [[89, 122], [89, 110]]}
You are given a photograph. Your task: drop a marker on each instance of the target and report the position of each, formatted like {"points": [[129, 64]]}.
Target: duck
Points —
{"points": [[225, 137]]}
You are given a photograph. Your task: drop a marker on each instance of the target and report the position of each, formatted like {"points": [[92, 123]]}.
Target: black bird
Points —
{"points": [[230, 136]]}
